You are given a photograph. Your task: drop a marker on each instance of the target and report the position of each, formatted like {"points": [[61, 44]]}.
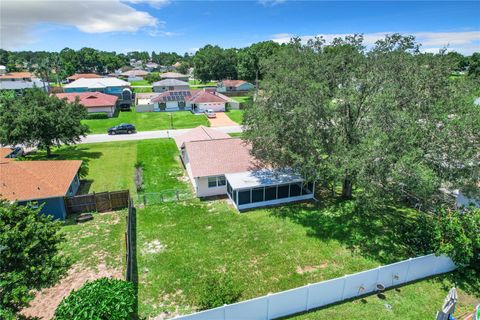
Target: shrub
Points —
{"points": [[457, 235], [217, 290], [105, 298], [97, 115]]}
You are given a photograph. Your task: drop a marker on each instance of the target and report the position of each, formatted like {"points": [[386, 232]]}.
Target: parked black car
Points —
{"points": [[122, 128]]}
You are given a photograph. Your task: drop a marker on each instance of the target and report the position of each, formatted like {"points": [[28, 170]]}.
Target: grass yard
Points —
{"points": [[182, 243], [236, 134], [243, 99], [140, 83], [199, 83], [148, 121], [235, 115], [142, 89], [110, 166]]}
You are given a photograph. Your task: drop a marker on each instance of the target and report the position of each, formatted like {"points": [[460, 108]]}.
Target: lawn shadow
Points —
{"points": [[385, 234]]}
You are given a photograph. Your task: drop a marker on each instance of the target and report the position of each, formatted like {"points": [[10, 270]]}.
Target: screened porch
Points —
{"points": [[259, 188]]}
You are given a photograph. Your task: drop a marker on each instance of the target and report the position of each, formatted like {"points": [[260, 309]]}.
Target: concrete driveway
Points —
{"points": [[143, 135], [222, 120]]}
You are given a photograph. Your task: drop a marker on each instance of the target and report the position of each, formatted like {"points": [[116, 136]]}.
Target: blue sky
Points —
{"points": [[185, 26]]}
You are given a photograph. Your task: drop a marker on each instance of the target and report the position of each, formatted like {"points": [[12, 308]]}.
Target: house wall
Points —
{"points": [[245, 87], [51, 206], [110, 110], [167, 88], [144, 107], [215, 106], [203, 190]]}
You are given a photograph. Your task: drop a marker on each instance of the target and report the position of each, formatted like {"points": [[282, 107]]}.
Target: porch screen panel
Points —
{"points": [[283, 191], [257, 194], [244, 197], [270, 193], [307, 188], [295, 189]]}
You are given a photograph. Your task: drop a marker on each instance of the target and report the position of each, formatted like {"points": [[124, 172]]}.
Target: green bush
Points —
{"points": [[105, 298], [217, 290], [97, 115]]}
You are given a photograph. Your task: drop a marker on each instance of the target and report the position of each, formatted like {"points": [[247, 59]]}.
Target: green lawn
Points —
{"points": [[236, 134], [140, 83], [274, 248], [147, 121], [235, 115], [199, 83], [142, 90], [243, 99], [95, 242]]}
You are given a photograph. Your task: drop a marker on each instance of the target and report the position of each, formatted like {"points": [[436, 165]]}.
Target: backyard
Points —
{"points": [[180, 243], [148, 121]]}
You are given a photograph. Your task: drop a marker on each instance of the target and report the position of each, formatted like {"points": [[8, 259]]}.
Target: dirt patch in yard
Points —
{"points": [[309, 269], [46, 301]]}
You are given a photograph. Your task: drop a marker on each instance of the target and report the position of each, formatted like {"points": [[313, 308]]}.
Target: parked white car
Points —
{"points": [[210, 113]]}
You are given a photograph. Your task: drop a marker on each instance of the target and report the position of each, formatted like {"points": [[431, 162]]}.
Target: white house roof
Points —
{"points": [[97, 83], [477, 101], [18, 85], [261, 178], [169, 82]]}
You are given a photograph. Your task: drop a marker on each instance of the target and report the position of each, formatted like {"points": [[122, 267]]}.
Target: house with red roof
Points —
{"points": [[77, 76], [234, 86], [197, 101], [43, 184], [94, 102], [225, 166]]}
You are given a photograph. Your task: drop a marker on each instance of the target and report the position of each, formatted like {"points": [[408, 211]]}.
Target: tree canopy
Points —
{"points": [[34, 118], [29, 255], [388, 121]]}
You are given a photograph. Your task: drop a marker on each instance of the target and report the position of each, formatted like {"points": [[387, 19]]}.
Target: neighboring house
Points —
{"points": [[176, 65], [170, 85], [77, 76], [134, 75], [226, 167], [174, 75], [40, 183], [20, 81], [10, 153], [94, 102], [198, 134], [151, 66], [196, 101], [3, 69], [234, 86], [113, 86]]}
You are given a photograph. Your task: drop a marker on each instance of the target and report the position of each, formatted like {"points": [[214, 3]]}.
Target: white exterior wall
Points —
{"points": [[202, 189], [215, 106], [107, 110]]}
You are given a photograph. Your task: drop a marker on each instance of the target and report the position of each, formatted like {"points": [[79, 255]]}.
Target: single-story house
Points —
{"points": [[170, 85], [199, 133], [20, 81], [196, 101], [227, 167], [234, 86], [94, 102], [77, 76], [150, 66], [174, 75], [111, 85], [3, 69], [39, 183], [135, 75]]}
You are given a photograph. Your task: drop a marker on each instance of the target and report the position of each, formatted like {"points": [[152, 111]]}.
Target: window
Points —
{"points": [[283, 191], [270, 193], [244, 197], [257, 194], [217, 181]]}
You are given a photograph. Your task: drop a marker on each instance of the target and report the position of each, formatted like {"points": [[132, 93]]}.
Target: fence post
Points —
{"points": [[95, 201], [378, 276], [435, 265], [268, 307], [308, 296], [224, 312], [408, 269], [344, 285]]}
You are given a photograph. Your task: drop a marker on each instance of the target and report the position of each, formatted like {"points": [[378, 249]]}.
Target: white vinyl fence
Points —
{"points": [[327, 292]]}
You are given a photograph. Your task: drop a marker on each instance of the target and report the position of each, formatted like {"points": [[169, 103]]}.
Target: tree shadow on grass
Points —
{"points": [[385, 234]]}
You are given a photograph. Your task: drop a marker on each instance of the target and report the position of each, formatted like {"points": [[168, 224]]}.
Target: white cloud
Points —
{"points": [[465, 42], [157, 4], [270, 3], [20, 18]]}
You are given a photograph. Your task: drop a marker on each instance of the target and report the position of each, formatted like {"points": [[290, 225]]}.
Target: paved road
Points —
{"points": [[142, 135]]}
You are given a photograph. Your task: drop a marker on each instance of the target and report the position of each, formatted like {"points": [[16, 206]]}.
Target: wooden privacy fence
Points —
{"points": [[99, 202]]}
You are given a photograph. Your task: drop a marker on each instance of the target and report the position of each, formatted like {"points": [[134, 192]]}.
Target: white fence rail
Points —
{"points": [[327, 292]]}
